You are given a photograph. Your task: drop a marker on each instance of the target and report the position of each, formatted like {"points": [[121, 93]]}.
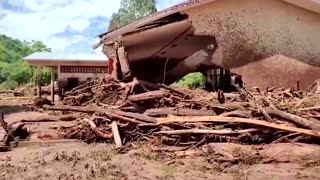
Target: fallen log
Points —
{"points": [[207, 131], [220, 108], [50, 119], [151, 95], [226, 95], [112, 114], [178, 112], [243, 114], [176, 119], [293, 118]]}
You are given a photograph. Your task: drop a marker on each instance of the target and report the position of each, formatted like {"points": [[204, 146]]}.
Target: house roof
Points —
{"points": [[312, 5], [66, 58], [154, 17]]}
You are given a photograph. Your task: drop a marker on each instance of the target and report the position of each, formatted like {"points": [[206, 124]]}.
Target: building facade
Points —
{"points": [[70, 70]]}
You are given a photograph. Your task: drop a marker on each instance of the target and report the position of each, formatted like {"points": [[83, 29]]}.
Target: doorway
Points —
{"points": [[72, 83]]}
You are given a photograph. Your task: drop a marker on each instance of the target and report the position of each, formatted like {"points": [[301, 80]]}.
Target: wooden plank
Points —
{"points": [[116, 135], [178, 112], [39, 77]]}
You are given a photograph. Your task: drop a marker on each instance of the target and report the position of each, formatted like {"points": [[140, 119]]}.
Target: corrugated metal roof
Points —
{"points": [[66, 56]]}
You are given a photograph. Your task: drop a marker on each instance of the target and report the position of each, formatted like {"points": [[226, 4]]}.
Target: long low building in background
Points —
{"points": [[70, 69]]}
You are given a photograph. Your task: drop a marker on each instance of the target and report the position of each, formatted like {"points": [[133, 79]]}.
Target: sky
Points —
{"points": [[63, 25]]}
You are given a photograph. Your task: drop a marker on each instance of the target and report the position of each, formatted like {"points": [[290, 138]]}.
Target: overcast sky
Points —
{"points": [[63, 25]]}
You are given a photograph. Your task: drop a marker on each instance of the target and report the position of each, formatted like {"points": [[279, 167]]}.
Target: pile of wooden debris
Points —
{"points": [[139, 110]]}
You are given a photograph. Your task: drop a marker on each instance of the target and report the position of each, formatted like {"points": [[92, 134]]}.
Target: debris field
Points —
{"points": [[122, 113]]}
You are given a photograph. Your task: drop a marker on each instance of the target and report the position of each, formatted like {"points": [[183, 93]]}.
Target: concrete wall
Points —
{"points": [[249, 31], [83, 77]]}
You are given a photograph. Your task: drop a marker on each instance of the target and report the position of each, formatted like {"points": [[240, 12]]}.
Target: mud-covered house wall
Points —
{"points": [[249, 31]]}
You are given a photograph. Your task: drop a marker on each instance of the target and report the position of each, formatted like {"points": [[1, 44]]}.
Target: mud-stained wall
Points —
{"points": [[251, 30]]}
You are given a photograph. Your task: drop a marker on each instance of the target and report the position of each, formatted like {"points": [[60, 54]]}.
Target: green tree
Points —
{"points": [[131, 10], [13, 69]]}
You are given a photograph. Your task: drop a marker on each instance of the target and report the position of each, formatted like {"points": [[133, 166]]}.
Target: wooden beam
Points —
{"points": [[39, 78], [116, 134], [52, 83], [124, 64]]}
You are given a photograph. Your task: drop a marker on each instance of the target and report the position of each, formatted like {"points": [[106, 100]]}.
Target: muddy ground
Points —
{"points": [[55, 158]]}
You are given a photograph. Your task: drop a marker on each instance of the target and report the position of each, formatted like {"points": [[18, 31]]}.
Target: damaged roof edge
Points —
{"points": [[312, 5], [154, 17]]}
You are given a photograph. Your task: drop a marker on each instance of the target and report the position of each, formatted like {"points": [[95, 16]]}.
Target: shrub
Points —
{"points": [[193, 80]]}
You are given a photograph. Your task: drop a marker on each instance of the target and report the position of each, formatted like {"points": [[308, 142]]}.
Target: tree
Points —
{"points": [[13, 69], [131, 10]]}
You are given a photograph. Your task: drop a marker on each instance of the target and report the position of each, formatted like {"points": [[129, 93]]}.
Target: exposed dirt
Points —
{"points": [[82, 161], [56, 158]]}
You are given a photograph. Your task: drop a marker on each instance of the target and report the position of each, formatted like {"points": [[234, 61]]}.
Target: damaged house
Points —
{"points": [[269, 43]]}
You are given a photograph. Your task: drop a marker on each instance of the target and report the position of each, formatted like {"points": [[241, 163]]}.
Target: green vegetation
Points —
{"points": [[14, 70], [192, 80], [131, 10]]}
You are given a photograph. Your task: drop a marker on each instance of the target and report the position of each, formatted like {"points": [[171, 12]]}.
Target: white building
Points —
{"points": [[69, 69]]}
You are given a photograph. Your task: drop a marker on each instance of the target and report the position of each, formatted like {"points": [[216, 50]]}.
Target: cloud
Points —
{"points": [[162, 4], [68, 25]]}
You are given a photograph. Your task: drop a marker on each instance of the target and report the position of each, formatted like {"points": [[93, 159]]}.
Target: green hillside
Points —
{"points": [[14, 70]]}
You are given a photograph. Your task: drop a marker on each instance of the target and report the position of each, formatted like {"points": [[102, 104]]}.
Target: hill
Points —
{"points": [[14, 70]]}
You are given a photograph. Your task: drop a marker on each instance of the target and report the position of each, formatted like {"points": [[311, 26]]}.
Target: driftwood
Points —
{"points": [[67, 117], [293, 118], [230, 106], [178, 112], [310, 108], [97, 131], [121, 102], [243, 114], [123, 116], [217, 119], [148, 96], [207, 131]]}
